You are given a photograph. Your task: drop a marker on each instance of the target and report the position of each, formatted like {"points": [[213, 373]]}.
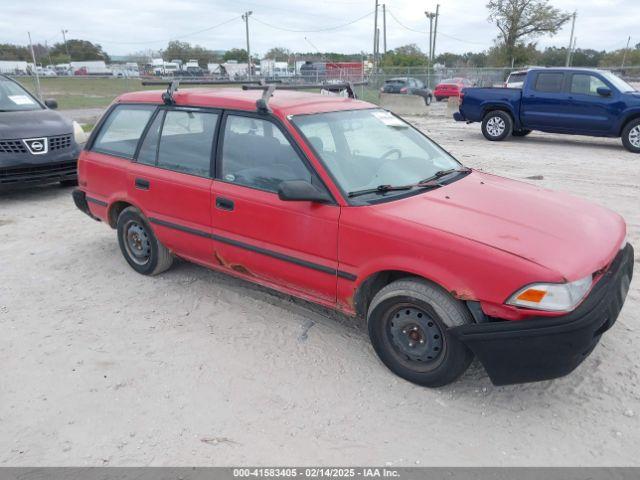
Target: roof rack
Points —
{"points": [[205, 82], [262, 104]]}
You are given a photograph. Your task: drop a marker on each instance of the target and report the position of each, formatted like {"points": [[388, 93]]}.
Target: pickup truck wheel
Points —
{"points": [[631, 136], [521, 133], [409, 322], [139, 245], [497, 125]]}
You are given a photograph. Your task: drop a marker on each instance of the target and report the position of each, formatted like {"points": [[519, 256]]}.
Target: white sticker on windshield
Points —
{"points": [[388, 119], [21, 100]]}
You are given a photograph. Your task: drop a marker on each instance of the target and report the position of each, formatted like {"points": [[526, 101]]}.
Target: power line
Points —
{"points": [[177, 37], [335, 27]]}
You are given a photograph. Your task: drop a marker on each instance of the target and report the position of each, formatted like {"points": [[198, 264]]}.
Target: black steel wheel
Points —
{"points": [[139, 245], [410, 322]]}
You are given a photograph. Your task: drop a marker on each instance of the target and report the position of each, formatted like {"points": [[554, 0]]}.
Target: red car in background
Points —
{"points": [[451, 87]]}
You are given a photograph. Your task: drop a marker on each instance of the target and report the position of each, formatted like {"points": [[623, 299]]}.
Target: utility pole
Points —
{"points": [[245, 17], [573, 26], [384, 27], [430, 16], [64, 39], [573, 49], [35, 67], [375, 37], [435, 33], [624, 55]]}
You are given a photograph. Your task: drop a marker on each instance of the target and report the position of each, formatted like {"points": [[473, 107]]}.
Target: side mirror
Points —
{"points": [[51, 103], [604, 91], [301, 191]]}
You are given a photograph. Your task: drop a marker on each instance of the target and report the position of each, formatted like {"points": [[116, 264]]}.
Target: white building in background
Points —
{"points": [[271, 68], [13, 67]]}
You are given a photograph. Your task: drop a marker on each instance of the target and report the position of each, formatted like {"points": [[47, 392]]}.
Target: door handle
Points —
{"points": [[224, 204], [142, 184]]}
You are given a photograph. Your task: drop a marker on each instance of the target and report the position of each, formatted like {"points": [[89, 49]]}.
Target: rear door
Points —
{"points": [[171, 179], [259, 236], [544, 103]]}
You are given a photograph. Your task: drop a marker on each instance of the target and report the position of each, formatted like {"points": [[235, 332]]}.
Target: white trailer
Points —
{"points": [[14, 67]]}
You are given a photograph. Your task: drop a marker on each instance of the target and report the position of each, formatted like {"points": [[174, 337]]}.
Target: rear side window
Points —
{"points": [[181, 141], [121, 131], [516, 78], [549, 82]]}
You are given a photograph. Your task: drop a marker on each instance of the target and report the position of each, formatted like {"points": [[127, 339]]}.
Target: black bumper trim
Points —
{"points": [[80, 199], [544, 348]]}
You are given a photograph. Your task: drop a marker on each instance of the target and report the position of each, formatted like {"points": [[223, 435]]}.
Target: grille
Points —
{"points": [[12, 146], [59, 142], [31, 173]]}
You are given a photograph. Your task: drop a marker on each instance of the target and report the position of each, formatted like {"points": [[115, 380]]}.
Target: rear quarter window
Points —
{"points": [[120, 133], [550, 82]]}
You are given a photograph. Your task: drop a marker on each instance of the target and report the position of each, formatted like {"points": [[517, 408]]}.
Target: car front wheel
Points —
{"points": [[140, 247], [497, 125], [427, 100], [409, 324], [631, 136]]}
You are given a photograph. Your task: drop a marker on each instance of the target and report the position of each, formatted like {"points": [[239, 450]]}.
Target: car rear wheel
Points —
{"points": [[631, 136], [497, 125], [521, 133], [139, 245], [409, 324], [427, 100]]}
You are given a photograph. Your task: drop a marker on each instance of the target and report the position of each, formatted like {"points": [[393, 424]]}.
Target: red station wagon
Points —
{"points": [[339, 202]]}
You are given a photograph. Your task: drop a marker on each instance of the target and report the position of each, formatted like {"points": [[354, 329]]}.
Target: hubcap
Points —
{"points": [[495, 126], [415, 335], [137, 243], [634, 136]]}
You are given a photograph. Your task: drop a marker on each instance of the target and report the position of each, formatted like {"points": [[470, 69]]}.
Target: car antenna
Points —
{"points": [[167, 97]]}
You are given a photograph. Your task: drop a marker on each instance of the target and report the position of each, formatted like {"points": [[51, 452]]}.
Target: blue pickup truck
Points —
{"points": [[574, 101]]}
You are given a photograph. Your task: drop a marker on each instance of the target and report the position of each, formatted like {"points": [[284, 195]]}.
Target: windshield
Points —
{"points": [[364, 149], [617, 82], [14, 98]]}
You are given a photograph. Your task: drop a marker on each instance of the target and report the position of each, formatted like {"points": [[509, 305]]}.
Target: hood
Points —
{"points": [[33, 123], [562, 233], [633, 96]]}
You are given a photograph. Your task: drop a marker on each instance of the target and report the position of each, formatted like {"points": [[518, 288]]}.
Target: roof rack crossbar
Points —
{"points": [[204, 82], [332, 87]]}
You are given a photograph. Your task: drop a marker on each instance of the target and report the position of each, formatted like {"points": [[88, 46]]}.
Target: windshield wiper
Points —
{"points": [[379, 189], [426, 183], [443, 173]]}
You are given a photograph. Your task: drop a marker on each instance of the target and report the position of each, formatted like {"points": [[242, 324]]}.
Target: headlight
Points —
{"points": [[554, 297], [79, 134]]}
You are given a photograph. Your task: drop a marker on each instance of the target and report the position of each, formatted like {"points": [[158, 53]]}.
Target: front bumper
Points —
{"points": [[545, 348]]}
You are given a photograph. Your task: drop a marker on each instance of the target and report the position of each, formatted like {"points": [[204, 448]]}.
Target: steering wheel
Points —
{"points": [[390, 152]]}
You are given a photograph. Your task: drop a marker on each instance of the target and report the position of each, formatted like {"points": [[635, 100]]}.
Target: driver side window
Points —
{"points": [[255, 153]]}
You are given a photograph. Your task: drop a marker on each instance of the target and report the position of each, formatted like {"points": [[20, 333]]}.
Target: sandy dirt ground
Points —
{"points": [[102, 366]]}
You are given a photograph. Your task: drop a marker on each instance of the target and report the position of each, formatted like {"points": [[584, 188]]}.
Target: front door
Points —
{"points": [[171, 180], [259, 236], [592, 113]]}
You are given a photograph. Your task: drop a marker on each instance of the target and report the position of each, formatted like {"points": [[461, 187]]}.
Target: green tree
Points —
{"points": [[238, 54], [519, 20], [404, 56], [79, 50], [279, 54]]}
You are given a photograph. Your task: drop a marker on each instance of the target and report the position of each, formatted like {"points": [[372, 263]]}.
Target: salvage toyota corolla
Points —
{"points": [[341, 203]]}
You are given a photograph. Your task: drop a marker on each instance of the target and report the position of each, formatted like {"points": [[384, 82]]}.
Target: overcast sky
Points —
{"points": [[125, 26]]}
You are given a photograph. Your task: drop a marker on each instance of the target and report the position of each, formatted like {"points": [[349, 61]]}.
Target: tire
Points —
{"points": [[521, 133], [139, 245], [69, 183], [409, 322], [631, 136], [439, 99], [427, 100], [497, 125]]}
